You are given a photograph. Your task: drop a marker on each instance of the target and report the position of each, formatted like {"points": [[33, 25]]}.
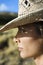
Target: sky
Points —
{"points": [[8, 5]]}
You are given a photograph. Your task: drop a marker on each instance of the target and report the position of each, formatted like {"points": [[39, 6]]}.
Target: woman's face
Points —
{"points": [[28, 43]]}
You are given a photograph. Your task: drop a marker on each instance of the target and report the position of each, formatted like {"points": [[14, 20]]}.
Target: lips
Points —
{"points": [[20, 48]]}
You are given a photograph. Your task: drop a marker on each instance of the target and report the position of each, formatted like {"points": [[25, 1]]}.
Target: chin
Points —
{"points": [[22, 55]]}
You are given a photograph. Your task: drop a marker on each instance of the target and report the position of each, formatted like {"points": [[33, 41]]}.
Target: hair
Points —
{"points": [[38, 28]]}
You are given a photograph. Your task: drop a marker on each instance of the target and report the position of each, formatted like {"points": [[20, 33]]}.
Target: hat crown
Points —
{"points": [[29, 6]]}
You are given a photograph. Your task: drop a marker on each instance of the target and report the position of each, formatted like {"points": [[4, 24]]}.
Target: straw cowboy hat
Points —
{"points": [[29, 11]]}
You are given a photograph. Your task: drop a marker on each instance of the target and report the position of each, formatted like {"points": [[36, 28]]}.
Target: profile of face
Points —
{"points": [[28, 42]]}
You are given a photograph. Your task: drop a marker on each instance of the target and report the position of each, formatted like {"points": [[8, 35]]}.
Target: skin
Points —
{"points": [[29, 44]]}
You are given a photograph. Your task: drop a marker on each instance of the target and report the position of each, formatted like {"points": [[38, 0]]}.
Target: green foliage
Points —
{"points": [[6, 17], [9, 55]]}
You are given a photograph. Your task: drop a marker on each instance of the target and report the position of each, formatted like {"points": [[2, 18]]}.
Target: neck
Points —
{"points": [[39, 60]]}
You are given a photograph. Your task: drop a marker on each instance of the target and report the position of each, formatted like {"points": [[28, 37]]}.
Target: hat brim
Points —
{"points": [[22, 20]]}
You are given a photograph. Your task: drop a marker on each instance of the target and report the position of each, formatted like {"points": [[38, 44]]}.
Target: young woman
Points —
{"points": [[30, 41], [30, 35]]}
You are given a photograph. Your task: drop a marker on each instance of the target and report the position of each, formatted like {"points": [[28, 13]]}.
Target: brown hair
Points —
{"points": [[38, 28]]}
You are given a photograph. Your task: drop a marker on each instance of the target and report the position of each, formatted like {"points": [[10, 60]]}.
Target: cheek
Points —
{"points": [[31, 48], [34, 49], [24, 52], [26, 43]]}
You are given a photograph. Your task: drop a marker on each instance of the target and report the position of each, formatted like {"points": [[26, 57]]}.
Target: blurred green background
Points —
{"points": [[9, 54]]}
